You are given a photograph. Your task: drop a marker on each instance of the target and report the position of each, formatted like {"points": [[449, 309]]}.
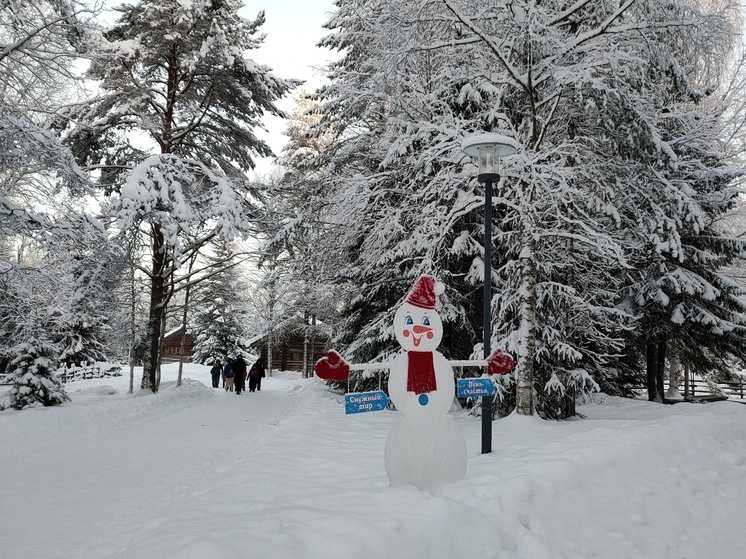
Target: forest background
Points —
{"points": [[617, 240]]}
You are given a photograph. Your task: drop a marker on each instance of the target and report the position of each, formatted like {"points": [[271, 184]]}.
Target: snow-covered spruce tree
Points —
{"points": [[686, 184], [89, 268], [32, 368], [69, 278], [627, 156], [39, 44], [362, 207], [27, 352], [274, 310], [419, 208], [13, 301], [387, 224], [296, 295], [220, 319], [559, 79], [179, 73]]}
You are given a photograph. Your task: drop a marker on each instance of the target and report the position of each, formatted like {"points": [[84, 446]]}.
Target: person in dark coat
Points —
{"points": [[228, 375], [256, 374], [239, 374], [217, 369]]}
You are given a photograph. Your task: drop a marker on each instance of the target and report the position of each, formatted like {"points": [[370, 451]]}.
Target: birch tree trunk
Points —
{"points": [[525, 367]]}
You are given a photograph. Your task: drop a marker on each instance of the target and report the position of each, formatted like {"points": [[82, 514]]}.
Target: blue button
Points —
{"points": [[423, 399]]}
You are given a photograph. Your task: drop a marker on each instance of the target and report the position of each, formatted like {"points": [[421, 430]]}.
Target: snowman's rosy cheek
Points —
{"points": [[406, 333], [430, 335]]}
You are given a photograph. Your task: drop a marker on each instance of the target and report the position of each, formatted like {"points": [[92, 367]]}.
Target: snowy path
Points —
{"points": [[200, 473]]}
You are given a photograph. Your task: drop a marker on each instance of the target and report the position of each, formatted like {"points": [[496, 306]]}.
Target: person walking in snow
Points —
{"points": [[239, 374], [255, 375], [228, 375], [217, 369]]}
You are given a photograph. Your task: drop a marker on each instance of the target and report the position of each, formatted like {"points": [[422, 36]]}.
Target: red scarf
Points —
{"points": [[420, 372]]}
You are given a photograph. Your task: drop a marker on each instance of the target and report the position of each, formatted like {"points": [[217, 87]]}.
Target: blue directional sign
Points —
{"points": [[475, 387], [359, 402]]}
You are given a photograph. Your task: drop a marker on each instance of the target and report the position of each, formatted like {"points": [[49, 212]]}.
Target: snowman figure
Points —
{"points": [[425, 447]]}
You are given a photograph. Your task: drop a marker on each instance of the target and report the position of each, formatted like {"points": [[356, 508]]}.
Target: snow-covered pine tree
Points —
{"points": [[296, 297], [89, 267], [389, 221], [220, 319], [686, 166], [584, 88], [32, 367], [60, 292], [40, 43], [411, 95], [27, 351], [306, 140], [179, 73]]}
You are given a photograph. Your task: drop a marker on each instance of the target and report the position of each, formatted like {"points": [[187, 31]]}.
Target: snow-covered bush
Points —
{"points": [[33, 378]]}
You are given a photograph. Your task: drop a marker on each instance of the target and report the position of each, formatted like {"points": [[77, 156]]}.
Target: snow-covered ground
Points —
{"points": [[198, 473]]}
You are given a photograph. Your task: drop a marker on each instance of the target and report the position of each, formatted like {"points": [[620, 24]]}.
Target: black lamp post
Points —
{"points": [[488, 148]]}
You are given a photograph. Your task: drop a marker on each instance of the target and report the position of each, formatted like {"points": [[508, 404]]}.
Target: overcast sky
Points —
{"points": [[293, 27]]}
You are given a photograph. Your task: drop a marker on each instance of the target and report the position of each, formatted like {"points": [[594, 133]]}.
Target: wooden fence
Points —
{"points": [[695, 387], [85, 373], [735, 389], [77, 373]]}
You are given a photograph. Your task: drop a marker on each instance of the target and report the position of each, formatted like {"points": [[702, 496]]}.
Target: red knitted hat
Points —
{"points": [[424, 291]]}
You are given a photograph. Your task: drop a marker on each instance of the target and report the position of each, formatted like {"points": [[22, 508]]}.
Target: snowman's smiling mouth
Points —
{"points": [[418, 332]]}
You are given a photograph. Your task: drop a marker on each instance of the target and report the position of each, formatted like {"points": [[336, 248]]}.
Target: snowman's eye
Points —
{"points": [[408, 321], [425, 321]]}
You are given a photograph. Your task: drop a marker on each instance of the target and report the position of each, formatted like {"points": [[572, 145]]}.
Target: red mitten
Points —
{"points": [[499, 363], [332, 367]]}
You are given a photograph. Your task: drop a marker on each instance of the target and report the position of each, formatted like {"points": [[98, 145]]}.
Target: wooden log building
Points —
{"points": [[171, 346], [288, 352]]}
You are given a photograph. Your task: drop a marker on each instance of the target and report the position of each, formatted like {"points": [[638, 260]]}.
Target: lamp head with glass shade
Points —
{"points": [[488, 149]]}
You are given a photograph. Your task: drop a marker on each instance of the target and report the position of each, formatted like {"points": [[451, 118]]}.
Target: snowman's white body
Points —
{"points": [[425, 447]]}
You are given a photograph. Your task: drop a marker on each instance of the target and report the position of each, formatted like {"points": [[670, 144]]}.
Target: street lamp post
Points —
{"points": [[488, 148]]}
